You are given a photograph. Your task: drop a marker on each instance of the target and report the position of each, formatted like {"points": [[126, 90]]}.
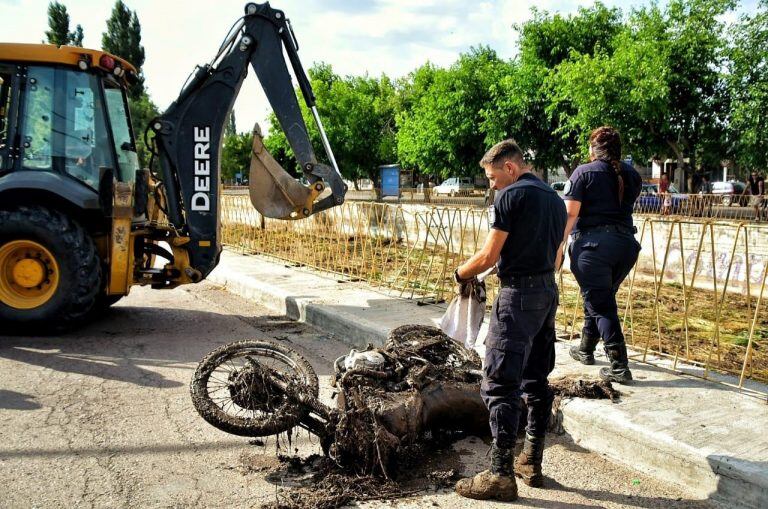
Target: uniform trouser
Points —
{"points": [[600, 261], [519, 356]]}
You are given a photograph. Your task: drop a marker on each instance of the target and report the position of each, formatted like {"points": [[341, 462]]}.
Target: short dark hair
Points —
{"points": [[502, 151]]}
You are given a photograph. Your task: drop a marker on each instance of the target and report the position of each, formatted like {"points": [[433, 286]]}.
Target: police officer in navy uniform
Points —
{"points": [[527, 222], [599, 197]]}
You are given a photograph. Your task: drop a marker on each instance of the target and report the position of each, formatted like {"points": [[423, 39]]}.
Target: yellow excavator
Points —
{"points": [[81, 222]]}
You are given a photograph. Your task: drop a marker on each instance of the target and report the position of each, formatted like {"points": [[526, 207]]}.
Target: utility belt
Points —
{"points": [[529, 281], [605, 228]]}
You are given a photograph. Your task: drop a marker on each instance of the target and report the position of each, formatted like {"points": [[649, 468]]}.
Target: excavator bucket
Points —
{"points": [[274, 193]]}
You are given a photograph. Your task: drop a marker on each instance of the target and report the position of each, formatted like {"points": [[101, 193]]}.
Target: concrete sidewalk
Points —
{"points": [[701, 435]]}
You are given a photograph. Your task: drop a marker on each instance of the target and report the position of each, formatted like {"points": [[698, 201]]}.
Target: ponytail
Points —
{"points": [[619, 179], [606, 146]]}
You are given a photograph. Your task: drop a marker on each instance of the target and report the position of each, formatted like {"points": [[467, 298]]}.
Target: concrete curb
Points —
{"points": [[675, 428]]}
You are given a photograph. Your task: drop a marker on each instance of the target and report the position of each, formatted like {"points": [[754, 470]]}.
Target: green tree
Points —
{"points": [[523, 105], [696, 55], [230, 129], [143, 110], [438, 134], [123, 38], [236, 155], [58, 24], [748, 87], [76, 37], [358, 115], [624, 85], [657, 79]]}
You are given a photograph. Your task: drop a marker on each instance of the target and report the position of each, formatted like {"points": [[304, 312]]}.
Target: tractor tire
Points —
{"points": [[50, 271]]}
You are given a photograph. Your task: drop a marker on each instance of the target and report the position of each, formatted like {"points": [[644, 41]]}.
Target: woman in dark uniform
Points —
{"points": [[599, 198]]}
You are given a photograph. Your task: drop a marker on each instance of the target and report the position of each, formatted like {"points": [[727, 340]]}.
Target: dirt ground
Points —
{"points": [[102, 418]]}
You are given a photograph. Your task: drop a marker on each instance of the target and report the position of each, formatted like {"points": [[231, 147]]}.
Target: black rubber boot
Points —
{"points": [[528, 463], [497, 483], [585, 352], [619, 371]]}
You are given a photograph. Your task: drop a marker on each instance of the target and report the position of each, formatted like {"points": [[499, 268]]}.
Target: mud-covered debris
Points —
{"points": [[588, 389], [443, 478], [424, 384], [568, 387], [328, 487]]}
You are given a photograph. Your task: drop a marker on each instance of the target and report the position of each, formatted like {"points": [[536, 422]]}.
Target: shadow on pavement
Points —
{"points": [[106, 452], [127, 342], [12, 400]]}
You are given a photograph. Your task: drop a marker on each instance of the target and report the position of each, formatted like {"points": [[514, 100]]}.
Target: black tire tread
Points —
{"points": [[242, 426], [85, 261]]}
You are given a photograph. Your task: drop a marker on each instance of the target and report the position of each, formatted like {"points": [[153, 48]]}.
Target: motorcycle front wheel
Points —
{"points": [[232, 390]]}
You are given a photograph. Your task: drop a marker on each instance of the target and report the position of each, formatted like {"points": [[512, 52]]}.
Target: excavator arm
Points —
{"points": [[188, 137]]}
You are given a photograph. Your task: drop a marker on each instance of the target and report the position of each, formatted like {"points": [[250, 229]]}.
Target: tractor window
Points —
{"points": [[64, 124], [38, 124], [5, 107], [127, 158]]}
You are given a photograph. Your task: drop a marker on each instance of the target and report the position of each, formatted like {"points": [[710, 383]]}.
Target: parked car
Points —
{"points": [[651, 201], [559, 186], [731, 192], [455, 186]]}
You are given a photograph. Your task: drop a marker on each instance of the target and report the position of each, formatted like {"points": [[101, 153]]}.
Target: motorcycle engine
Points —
{"points": [[369, 359]]}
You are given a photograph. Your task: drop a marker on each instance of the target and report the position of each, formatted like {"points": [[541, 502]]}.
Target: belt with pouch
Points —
{"points": [[528, 281], [605, 228]]}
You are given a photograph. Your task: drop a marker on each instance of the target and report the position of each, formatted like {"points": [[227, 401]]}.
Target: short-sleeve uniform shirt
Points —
{"points": [[534, 216], [596, 186]]}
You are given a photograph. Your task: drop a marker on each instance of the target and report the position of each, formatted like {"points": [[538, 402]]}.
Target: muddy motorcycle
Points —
{"points": [[388, 399]]}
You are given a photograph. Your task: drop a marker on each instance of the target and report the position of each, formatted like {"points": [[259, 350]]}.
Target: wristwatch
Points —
{"points": [[457, 278]]}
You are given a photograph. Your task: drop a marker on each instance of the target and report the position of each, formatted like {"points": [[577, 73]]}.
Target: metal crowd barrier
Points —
{"points": [[708, 206], [694, 301], [475, 198]]}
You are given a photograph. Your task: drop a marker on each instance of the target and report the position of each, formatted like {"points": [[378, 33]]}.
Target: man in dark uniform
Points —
{"points": [[527, 223]]}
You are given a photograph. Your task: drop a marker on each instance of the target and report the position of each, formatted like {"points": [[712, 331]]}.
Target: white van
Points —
{"points": [[455, 186]]}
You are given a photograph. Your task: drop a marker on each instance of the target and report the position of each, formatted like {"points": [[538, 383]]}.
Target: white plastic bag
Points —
{"points": [[464, 316]]}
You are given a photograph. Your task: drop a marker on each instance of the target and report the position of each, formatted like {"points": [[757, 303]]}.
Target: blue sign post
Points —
{"points": [[390, 180]]}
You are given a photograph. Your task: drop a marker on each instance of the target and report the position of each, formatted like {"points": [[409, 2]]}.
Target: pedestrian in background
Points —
{"points": [[756, 189], [527, 223], [666, 199], [600, 197], [706, 194]]}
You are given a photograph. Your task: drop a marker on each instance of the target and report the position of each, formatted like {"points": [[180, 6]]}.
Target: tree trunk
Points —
{"points": [[680, 172], [569, 166]]}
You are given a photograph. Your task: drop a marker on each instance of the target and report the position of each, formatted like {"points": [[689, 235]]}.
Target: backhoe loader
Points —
{"points": [[81, 223]]}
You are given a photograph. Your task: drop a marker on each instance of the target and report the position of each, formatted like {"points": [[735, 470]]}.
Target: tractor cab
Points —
{"points": [[64, 113]]}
